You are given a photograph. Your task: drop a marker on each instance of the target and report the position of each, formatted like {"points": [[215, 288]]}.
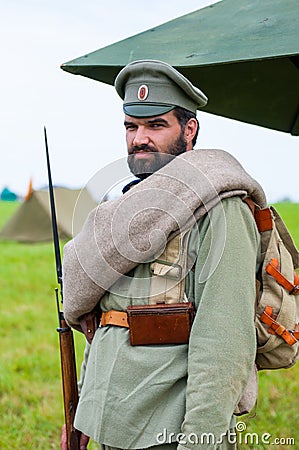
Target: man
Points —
{"points": [[170, 395]]}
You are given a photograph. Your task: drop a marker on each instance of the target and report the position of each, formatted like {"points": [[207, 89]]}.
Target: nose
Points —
{"points": [[141, 137]]}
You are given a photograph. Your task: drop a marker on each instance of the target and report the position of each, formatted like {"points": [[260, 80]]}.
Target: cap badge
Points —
{"points": [[142, 92]]}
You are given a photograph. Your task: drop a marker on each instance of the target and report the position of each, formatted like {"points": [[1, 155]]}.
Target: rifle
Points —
{"points": [[66, 340]]}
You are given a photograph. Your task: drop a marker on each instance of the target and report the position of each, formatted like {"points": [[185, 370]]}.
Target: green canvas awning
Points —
{"points": [[244, 54]]}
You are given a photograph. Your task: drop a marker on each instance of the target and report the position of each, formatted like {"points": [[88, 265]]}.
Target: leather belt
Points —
{"points": [[116, 318]]}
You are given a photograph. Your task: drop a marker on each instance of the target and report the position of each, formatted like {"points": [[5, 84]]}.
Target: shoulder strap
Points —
{"points": [[169, 271], [262, 217]]}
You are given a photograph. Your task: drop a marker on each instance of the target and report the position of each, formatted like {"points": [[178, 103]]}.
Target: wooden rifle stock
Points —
{"points": [[69, 382], [66, 340]]}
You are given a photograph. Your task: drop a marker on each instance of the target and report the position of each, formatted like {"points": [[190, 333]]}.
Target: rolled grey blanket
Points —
{"points": [[119, 235]]}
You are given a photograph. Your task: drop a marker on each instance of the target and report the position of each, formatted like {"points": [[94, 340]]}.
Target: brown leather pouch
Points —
{"points": [[89, 324], [160, 324]]}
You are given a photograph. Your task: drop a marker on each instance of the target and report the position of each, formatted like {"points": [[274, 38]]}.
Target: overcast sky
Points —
{"points": [[83, 117]]}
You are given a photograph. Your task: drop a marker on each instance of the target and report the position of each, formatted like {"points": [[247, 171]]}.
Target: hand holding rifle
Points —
{"points": [[63, 443]]}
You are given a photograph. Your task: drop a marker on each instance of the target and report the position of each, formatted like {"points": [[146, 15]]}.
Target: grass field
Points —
{"points": [[30, 384]]}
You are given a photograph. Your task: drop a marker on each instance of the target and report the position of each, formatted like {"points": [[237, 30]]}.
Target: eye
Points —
{"points": [[157, 125], [130, 126]]}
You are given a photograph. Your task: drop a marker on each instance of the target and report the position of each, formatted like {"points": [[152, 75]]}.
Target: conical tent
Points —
{"points": [[32, 220], [8, 195], [244, 54]]}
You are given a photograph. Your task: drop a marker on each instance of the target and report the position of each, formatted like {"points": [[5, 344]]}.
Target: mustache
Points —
{"points": [[141, 148]]}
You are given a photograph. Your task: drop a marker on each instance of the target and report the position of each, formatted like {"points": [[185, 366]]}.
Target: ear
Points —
{"points": [[190, 132]]}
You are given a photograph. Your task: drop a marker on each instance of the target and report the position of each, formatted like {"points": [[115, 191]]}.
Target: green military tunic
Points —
{"points": [[142, 396]]}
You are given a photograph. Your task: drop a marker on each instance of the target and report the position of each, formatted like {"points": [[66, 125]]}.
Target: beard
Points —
{"points": [[144, 167]]}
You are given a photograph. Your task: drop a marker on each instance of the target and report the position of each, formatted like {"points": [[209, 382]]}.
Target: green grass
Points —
{"points": [[6, 210], [30, 383], [290, 213]]}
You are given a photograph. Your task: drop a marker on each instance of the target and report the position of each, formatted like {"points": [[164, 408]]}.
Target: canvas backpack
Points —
{"points": [[277, 308]]}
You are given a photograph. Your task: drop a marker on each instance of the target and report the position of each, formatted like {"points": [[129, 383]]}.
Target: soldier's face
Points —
{"points": [[151, 140]]}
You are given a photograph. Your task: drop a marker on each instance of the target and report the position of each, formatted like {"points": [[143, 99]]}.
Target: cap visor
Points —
{"points": [[146, 110]]}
